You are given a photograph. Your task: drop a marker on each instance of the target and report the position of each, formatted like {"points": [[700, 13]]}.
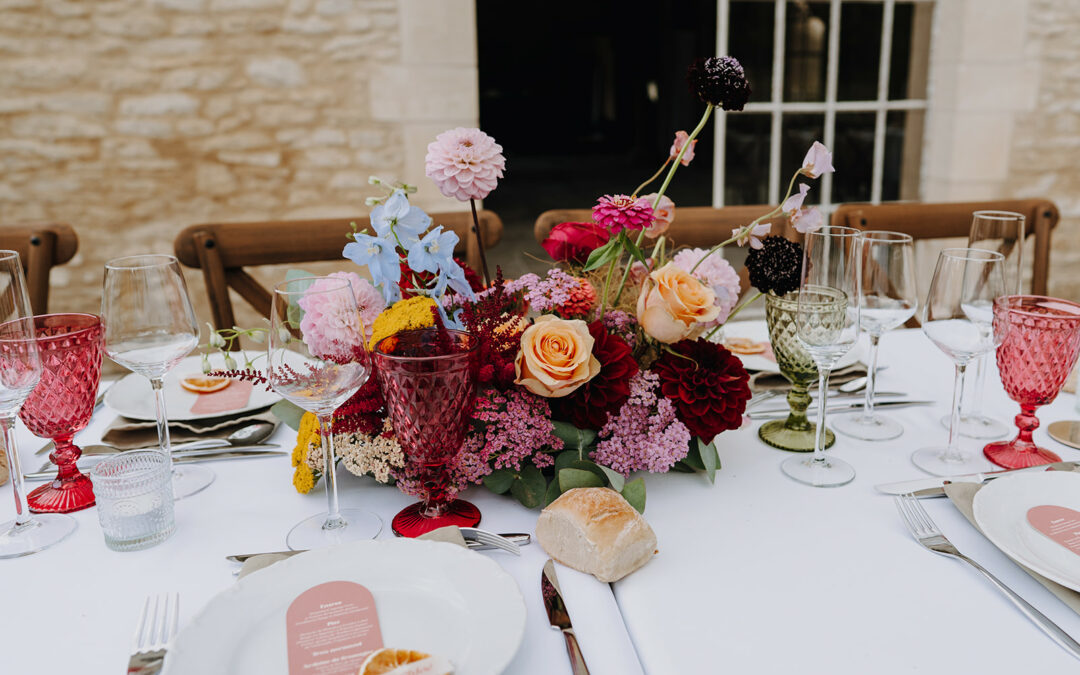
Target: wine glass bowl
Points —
{"points": [[1040, 341], [316, 358], [70, 348], [428, 380]]}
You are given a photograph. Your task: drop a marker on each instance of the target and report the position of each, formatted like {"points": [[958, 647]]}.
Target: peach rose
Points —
{"points": [[555, 357], [675, 306]]}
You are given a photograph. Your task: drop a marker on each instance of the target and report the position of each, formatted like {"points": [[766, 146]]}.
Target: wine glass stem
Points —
{"points": [[819, 437], [975, 403], [22, 509], [871, 376], [952, 453], [164, 442], [333, 511]]}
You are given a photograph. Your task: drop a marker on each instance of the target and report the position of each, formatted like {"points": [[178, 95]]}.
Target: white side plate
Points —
{"points": [[759, 332]]}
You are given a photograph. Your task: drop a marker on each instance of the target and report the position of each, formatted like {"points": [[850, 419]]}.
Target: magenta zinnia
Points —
{"points": [[622, 212]]}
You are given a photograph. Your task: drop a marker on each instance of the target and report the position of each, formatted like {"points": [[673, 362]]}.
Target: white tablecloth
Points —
{"points": [[756, 574]]}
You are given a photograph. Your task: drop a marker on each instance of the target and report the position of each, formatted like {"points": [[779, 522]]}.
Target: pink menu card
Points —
{"points": [[331, 628], [1059, 523]]}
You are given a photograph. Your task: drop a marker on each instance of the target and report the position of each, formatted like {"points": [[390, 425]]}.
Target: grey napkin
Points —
{"points": [[765, 381], [450, 534], [129, 434], [962, 495]]}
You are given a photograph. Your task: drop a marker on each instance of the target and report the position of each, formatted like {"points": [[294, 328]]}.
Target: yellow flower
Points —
{"points": [[410, 314], [303, 479], [305, 436]]}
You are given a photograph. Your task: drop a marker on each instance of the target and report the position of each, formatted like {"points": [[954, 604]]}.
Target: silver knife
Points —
{"points": [[519, 538], [559, 618], [934, 486], [217, 456], [843, 407]]}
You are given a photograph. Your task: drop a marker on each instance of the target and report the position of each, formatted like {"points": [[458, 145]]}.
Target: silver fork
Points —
{"points": [[927, 533], [157, 625], [491, 539]]}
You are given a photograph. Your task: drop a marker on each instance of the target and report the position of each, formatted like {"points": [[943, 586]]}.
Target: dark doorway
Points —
{"points": [[585, 98]]}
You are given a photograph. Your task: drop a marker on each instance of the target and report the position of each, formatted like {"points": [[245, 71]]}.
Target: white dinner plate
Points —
{"points": [[430, 596], [132, 396], [1001, 512], [759, 332]]}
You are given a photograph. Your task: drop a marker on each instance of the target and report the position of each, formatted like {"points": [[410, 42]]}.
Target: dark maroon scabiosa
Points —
{"points": [[589, 406], [707, 384], [775, 267], [719, 80]]}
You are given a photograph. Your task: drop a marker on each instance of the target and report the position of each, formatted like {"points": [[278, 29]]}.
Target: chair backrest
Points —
{"points": [[41, 246], [222, 250], [694, 226], [953, 219]]}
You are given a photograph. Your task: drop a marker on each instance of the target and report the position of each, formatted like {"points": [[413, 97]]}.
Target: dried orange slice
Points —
{"points": [[389, 660], [745, 345], [201, 384]]}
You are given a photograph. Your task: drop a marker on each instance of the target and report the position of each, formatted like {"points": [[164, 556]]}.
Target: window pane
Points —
{"points": [[860, 51], [746, 160], [903, 146], [910, 47], [806, 51], [750, 39], [798, 133], [853, 157]]}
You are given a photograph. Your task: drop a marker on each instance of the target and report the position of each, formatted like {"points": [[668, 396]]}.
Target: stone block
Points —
{"points": [[309, 25], [327, 157], [235, 5], [424, 93], [127, 148], [214, 179], [125, 79], [422, 19], [131, 24], [264, 159], [240, 140], [276, 116], [276, 71], [159, 104], [39, 73], [195, 127], [77, 102], [134, 126], [172, 46], [349, 180], [55, 126], [192, 25], [335, 7], [180, 5]]}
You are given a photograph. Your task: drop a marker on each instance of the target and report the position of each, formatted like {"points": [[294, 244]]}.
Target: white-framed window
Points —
{"points": [[851, 73]]}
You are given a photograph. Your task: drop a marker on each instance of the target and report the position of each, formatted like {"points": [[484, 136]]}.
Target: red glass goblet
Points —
{"points": [[1040, 341], [62, 403], [428, 379]]}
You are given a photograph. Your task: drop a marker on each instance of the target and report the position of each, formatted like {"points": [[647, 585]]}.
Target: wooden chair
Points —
{"points": [[222, 250], [41, 246], [953, 219]]}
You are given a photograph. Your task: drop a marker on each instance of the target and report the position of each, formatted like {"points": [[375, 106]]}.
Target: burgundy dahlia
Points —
{"points": [[719, 80], [622, 212], [589, 406], [707, 384]]}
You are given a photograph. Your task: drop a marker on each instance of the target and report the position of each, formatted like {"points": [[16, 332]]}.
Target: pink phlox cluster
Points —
{"points": [[551, 292], [717, 273], [515, 426], [645, 435], [622, 324]]}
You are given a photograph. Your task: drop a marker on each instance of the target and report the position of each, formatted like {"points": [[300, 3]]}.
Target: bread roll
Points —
{"points": [[596, 531]]}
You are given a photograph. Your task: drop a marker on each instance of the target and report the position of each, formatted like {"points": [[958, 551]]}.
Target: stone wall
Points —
{"points": [[130, 119]]}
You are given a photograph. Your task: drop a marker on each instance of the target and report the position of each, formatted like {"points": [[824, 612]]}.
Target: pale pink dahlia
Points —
{"points": [[331, 325], [465, 163], [717, 273], [619, 212]]}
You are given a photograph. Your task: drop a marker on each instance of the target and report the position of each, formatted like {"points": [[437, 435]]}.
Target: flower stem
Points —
{"points": [[735, 311], [479, 242], [652, 177]]}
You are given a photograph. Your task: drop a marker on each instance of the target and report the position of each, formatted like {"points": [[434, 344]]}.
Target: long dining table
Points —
{"points": [[755, 573]]}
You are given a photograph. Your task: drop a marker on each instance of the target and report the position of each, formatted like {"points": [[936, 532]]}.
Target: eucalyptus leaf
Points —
{"points": [[572, 436], [288, 412], [564, 459], [499, 480], [693, 458], [615, 479], [682, 467], [578, 478], [634, 492], [707, 453], [593, 467], [552, 492], [529, 487]]}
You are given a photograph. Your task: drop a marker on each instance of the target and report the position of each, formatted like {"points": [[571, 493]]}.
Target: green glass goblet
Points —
{"points": [[796, 433]]}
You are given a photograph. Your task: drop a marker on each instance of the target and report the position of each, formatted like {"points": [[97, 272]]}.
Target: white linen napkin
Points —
{"points": [[598, 623]]}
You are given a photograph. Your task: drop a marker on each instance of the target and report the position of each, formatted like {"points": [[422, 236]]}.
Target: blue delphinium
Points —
{"points": [[381, 258], [432, 252], [396, 217]]}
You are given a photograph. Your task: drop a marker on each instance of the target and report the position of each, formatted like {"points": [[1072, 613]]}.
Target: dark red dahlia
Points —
{"points": [[707, 384], [589, 406]]}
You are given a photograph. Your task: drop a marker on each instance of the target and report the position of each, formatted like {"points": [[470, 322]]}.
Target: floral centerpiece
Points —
{"points": [[598, 370]]}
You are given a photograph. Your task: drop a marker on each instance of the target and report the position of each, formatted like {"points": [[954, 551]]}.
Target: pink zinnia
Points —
{"points": [[464, 163], [619, 212], [331, 326]]}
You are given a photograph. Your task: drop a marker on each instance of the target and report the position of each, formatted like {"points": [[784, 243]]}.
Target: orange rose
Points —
{"points": [[675, 306], [555, 357]]}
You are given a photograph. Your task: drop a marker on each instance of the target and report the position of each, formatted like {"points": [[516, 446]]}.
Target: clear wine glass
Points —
{"points": [[20, 370], [150, 327], [958, 318], [887, 298], [317, 358], [827, 323], [1003, 232]]}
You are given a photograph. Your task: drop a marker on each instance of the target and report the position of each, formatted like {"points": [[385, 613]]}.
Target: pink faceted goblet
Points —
{"points": [[428, 378], [62, 403], [1040, 341]]}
